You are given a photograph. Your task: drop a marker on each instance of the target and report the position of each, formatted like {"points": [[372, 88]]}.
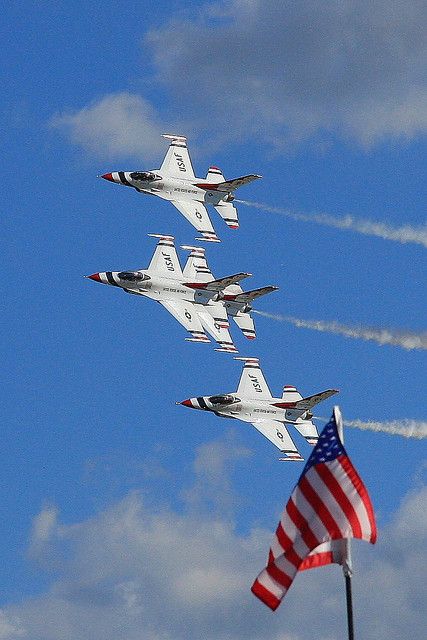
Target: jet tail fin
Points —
{"points": [[214, 175], [228, 213], [196, 267], [218, 285], [248, 296], [246, 325]]}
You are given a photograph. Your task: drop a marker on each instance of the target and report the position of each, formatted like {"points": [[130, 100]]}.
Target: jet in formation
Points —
{"points": [[253, 402], [193, 296], [175, 181]]}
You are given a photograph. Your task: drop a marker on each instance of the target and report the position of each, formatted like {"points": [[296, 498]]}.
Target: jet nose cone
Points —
{"points": [[186, 403], [108, 176], [95, 276]]}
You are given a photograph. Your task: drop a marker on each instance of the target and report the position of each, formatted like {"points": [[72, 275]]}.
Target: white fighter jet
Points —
{"points": [[198, 309], [253, 402], [236, 301], [175, 181]]}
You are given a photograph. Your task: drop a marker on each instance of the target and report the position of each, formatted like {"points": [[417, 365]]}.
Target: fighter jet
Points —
{"points": [[253, 402], [175, 181], [238, 303], [197, 309]]}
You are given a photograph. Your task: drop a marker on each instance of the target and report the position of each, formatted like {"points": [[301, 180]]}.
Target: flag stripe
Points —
{"points": [[349, 489], [319, 507], [364, 496], [306, 533], [286, 545], [342, 499], [317, 560], [290, 530], [327, 497], [316, 525], [280, 576], [265, 595]]}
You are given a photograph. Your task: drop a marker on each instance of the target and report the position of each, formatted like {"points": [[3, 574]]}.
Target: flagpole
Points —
{"points": [[346, 560]]}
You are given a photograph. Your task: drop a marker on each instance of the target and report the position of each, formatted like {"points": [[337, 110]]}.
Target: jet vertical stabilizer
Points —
{"points": [[196, 268]]}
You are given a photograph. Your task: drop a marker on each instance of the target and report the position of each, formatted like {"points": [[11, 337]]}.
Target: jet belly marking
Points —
{"points": [[261, 410]]}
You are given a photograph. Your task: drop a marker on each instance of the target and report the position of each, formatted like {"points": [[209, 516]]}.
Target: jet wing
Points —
{"points": [[186, 315], [277, 433], [248, 296], [165, 261], [252, 382], [197, 214], [217, 329], [177, 162]]}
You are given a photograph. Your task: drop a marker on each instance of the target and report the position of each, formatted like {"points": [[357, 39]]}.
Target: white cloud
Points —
{"points": [[291, 70], [277, 72], [133, 572], [118, 125], [212, 490], [10, 627]]}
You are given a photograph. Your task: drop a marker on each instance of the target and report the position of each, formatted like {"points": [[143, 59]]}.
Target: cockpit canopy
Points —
{"points": [[144, 176], [223, 400], [133, 276]]}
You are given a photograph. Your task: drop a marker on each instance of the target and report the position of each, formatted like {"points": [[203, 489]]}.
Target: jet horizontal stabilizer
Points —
{"points": [[248, 296], [228, 185], [307, 403], [218, 285]]}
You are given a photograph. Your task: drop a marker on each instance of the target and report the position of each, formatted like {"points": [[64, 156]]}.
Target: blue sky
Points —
{"points": [[100, 467]]}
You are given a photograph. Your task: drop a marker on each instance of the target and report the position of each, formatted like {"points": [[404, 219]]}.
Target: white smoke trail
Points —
{"points": [[416, 235], [406, 428], [405, 339]]}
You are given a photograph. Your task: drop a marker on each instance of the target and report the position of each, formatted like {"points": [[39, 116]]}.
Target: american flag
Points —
{"points": [[328, 505]]}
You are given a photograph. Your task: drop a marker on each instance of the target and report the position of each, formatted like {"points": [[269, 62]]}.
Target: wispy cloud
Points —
{"points": [[404, 235], [298, 69], [406, 428], [395, 337]]}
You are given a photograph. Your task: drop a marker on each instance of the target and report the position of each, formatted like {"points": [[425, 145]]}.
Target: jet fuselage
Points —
{"points": [[247, 409], [141, 282], [168, 188], [153, 286]]}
